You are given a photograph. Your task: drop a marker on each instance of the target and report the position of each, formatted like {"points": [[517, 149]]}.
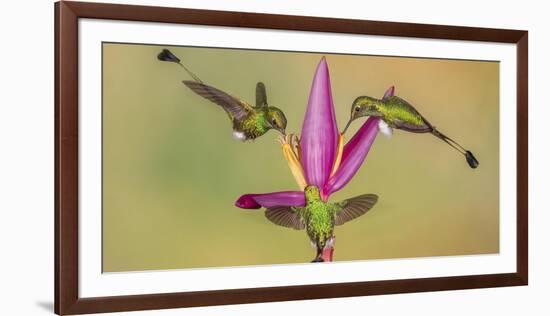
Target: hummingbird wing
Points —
{"points": [[261, 95], [286, 216], [410, 119], [354, 207], [236, 108], [411, 127]]}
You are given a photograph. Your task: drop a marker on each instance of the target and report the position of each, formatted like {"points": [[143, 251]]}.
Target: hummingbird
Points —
{"points": [[318, 217], [397, 113], [249, 122]]}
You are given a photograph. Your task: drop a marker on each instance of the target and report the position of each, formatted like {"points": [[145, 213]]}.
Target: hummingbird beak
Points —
{"points": [[347, 125], [280, 130]]}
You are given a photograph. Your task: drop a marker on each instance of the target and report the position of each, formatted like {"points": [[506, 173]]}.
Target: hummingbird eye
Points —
{"points": [[274, 121], [357, 108]]}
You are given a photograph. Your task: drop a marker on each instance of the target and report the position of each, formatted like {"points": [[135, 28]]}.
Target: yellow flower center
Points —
{"points": [[290, 145], [338, 154]]}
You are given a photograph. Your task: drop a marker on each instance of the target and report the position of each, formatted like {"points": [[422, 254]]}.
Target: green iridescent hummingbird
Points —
{"points": [[397, 113], [319, 217], [249, 122]]}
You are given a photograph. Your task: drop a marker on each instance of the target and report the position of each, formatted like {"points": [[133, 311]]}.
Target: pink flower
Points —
{"points": [[319, 157]]}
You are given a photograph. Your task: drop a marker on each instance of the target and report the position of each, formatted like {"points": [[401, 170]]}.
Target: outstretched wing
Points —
{"points": [[354, 207], [233, 106], [261, 95], [285, 216]]}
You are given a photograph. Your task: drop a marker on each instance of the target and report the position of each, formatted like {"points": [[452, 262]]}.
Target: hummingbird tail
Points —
{"points": [[197, 79], [167, 55], [470, 158]]}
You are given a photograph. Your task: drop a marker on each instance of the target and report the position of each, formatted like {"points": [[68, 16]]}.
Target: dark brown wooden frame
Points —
{"points": [[67, 14]]}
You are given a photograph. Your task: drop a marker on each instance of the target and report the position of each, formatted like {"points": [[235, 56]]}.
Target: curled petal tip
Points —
{"points": [[389, 93], [246, 202], [256, 201]]}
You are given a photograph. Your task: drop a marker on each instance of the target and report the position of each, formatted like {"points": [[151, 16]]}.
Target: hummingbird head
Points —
{"points": [[276, 119], [363, 106], [312, 193]]}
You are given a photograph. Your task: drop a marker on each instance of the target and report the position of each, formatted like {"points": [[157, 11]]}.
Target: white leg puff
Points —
{"points": [[385, 129], [239, 135]]}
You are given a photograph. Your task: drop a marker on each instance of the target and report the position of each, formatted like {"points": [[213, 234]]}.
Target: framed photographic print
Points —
{"points": [[211, 157]]}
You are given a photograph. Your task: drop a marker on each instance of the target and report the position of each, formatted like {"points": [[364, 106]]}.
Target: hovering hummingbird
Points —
{"points": [[395, 112], [249, 122], [319, 217]]}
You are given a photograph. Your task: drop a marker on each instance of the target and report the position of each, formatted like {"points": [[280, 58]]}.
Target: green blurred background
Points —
{"points": [[172, 171]]}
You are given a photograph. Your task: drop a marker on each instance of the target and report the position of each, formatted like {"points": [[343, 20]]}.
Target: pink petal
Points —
{"points": [[389, 93], [328, 251], [355, 152], [327, 254], [286, 198], [319, 132]]}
